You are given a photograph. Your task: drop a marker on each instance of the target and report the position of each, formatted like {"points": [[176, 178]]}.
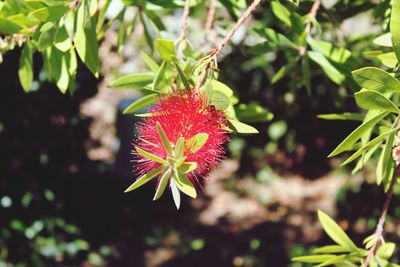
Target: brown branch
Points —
{"points": [[210, 21], [213, 56], [307, 30], [379, 228], [184, 20]]}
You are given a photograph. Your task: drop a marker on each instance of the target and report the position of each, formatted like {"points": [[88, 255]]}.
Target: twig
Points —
{"points": [[312, 14], [184, 20], [210, 21], [379, 228], [215, 52]]}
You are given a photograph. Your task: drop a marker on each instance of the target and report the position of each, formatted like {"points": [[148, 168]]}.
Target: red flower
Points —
{"points": [[182, 114]]}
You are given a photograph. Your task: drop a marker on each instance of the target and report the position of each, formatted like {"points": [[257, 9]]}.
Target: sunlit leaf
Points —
{"points": [[176, 195], [241, 127], [25, 71], [373, 100], [162, 184], [132, 81], [375, 79], [395, 27], [149, 155], [164, 139], [184, 184], [335, 232], [145, 178], [196, 142], [166, 49]]}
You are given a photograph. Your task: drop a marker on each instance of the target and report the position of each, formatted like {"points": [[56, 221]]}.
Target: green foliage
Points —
{"points": [[345, 252]]}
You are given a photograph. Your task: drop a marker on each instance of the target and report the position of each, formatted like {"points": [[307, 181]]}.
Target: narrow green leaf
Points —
{"points": [[343, 116], [160, 76], [384, 40], [147, 35], [187, 167], [166, 49], [376, 79], [179, 148], [373, 100], [7, 26], [330, 70], [335, 232], [395, 27], [41, 13], [149, 155], [141, 103], [182, 76], [388, 59], [176, 195], [85, 39], [241, 127], [149, 61], [335, 260], [196, 142], [386, 250], [162, 184], [368, 145], [145, 178], [25, 71], [284, 70], [62, 40], [132, 81], [164, 139], [47, 36], [281, 12], [314, 258], [385, 159], [367, 155], [352, 138], [331, 249], [330, 50], [184, 184]]}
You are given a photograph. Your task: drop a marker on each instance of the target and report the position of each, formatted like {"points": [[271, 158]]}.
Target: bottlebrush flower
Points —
{"points": [[179, 143]]}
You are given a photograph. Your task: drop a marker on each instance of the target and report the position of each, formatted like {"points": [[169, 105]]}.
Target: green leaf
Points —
{"points": [[386, 250], [253, 112], [176, 195], [314, 258], [7, 26], [141, 103], [376, 79], [384, 40], [196, 142], [351, 139], [284, 70], [149, 155], [348, 116], [162, 184], [395, 27], [184, 184], [179, 148], [41, 13], [85, 39], [219, 100], [330, 70], [149, 61], [62, 40], [335, 232], [47, 36], [329, 50], [331, 249], [147, 35], [335, 260], [382, 168], [132, 81], [221, 87], [145, 178], [241, 127], [164, 139], [166, 49], [388, 59], [373, 100], [182, 76], [187, 167], [368, 145], [160, 76], [25, 71], [281, 12]]}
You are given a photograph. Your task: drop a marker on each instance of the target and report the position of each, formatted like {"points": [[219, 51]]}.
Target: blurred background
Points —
{"points": [[65, 160]]}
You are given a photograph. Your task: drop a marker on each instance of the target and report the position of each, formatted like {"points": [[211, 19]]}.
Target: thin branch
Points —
{"points": [[379, 228], [213, 56], [184, 20], [307, 30], [210, 21]]}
